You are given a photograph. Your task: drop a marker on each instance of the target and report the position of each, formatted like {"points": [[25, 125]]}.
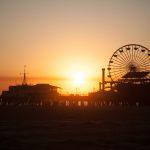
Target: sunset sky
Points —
{"points": [[59, 40]]}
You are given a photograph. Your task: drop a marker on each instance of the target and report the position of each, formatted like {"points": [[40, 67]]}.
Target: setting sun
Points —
{"points": [[78, 78]]}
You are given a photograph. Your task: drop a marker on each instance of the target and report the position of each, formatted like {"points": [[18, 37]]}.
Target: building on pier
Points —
{"points": [[25, 94]]}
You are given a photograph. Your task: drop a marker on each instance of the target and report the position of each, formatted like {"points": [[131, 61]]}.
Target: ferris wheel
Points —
{"points": [[132, 58]]}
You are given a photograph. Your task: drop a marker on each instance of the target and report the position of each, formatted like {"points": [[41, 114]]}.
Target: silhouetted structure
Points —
{"points": [[129, 73], [39, 94]]}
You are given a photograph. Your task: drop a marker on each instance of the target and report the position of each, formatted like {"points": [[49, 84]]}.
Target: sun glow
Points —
{"points": [[78, 78]]}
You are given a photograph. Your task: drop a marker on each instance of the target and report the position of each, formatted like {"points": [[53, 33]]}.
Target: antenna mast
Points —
{"points": [[24, 82]]}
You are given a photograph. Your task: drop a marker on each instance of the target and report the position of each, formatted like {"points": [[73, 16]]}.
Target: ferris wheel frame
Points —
{"points": [[130, 57]]}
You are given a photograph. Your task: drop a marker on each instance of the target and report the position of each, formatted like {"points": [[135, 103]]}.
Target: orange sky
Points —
{"points": [[56, 38]]}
